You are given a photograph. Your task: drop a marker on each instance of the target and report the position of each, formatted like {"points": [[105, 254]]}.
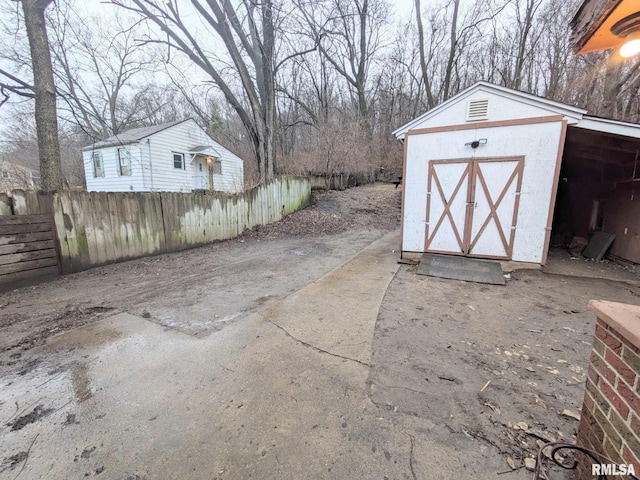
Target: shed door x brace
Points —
{"points": [[472, 206]]}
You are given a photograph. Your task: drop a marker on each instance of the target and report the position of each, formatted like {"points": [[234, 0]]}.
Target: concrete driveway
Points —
{"points": [[282, 393]]}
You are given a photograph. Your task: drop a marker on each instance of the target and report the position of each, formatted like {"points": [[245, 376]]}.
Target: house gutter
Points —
{"points": [[150, 164]]}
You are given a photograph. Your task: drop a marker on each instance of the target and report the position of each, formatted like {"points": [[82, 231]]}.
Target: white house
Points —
{"points": [[172, 157], [14, 176], [482, 171]]}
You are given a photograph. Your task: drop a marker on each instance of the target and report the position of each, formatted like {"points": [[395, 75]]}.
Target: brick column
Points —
{"points": [[610, 422]]}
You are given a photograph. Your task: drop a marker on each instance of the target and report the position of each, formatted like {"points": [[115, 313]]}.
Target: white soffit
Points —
{"points": [[607, 125]]}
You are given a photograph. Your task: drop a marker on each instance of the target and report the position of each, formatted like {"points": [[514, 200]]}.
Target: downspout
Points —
{"points": [[150, 165]]}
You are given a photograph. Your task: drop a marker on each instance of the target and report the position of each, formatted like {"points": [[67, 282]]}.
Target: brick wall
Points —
{"points": [[610, 422]]}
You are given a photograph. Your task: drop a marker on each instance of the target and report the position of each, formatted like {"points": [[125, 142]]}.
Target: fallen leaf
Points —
{"points": [[562, 361], [521, 426], [531, 369], [511, 462], [541, 403], [508, 353], [485, 386], [530, 464], [493, 407], [570, 414], [553, 371], [535, 432]]}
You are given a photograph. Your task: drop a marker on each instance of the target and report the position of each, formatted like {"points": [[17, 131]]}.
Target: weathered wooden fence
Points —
{"points": [[99, 228], [341, 181]]}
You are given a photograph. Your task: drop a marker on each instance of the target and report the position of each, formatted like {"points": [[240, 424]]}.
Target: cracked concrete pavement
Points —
{"points": [[281, 393]]}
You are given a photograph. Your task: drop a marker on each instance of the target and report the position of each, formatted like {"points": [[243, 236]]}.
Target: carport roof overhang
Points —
{"points": [[595, 143], [607, 125]]}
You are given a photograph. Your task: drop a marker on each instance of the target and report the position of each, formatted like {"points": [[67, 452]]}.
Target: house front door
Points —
{"points": [[472, 206]]}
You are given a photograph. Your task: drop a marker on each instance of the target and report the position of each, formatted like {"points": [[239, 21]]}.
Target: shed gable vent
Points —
{"points": [[478, 110]]}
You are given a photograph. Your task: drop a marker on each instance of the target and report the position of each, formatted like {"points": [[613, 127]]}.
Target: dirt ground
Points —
{"points": [[480, 361], [198, 291], [439, 342]]}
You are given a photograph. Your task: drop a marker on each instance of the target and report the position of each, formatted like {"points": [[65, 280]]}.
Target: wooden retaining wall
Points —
{"points": [[27, 250], [99, 228]]}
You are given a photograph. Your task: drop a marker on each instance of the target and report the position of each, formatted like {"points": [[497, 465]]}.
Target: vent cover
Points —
{"points": [[478, 110]]}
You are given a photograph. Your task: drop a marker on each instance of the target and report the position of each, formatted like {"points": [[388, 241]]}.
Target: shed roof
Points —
{"points": [[132, 136], [577, 116]]}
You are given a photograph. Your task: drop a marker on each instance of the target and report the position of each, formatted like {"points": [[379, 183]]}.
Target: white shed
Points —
{"points": [[481, 172], [172, 157]]}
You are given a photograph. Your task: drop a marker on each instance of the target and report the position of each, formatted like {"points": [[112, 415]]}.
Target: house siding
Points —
{"points": [[152, 164], [112, 181], [180, 139]]}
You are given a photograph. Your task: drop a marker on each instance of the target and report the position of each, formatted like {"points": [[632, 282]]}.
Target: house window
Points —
{"points": [[200, 166], [5, 174], [216, 167], [98, 166], [178, 160], [124, 161]]}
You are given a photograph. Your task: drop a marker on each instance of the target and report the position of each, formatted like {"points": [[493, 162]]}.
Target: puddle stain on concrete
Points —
{"points": [[89, 336], [81, 383]]}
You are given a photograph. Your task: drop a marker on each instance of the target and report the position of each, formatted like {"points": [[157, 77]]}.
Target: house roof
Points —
{"points": [[591, 27], [203, 150], [133, 135], [577, 116]]}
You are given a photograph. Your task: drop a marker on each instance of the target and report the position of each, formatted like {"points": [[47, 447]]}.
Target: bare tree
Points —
{"points": [[248, 30], [423, 60], [97, 64], [43, 91], [20, 145], [449, 40], [349, 36]]}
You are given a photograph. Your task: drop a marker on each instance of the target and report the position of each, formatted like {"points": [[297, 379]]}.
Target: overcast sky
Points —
{"points": [[403, 11]]}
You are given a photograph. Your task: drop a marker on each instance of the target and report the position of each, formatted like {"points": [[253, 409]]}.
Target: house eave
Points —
{"points": [[110, 145]]}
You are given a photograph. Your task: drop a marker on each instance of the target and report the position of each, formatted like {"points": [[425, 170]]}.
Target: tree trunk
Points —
{"points": [[453, 43], [269, 100], [423, 62], [45, 94]]}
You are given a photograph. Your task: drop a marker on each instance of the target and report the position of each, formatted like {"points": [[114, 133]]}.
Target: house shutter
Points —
{"points": [[97, 164], [124, 161], [128, 160], [478, 110]]}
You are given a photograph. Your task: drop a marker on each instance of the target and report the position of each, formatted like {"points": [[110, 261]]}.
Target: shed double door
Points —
{"points": [[472, 206]]}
